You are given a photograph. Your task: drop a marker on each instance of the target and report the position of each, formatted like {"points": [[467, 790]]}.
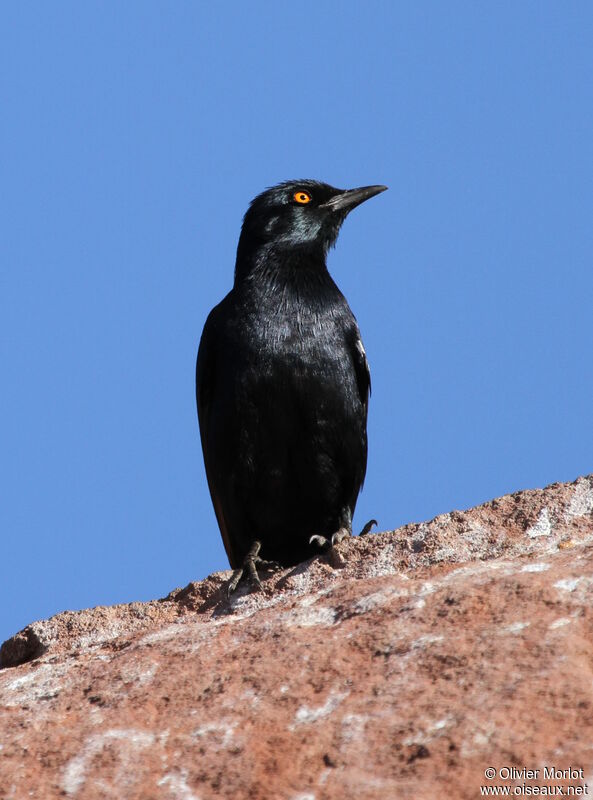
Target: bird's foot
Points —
{"points": [[251, 563], [326, 544], [339, 536], [330, 545], [367, 527]]}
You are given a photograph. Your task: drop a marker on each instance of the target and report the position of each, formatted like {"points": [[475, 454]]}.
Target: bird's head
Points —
{"points": [[303, 215]]}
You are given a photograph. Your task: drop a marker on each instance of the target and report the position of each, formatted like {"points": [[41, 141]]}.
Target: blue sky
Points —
{"points": [[133, 136]]}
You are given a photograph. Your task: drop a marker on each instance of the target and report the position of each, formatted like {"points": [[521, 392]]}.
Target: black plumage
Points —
{"points": [[282, 383]]}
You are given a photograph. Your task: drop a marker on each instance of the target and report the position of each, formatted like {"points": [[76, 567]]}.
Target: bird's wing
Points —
{"points": [[363, 383], [361, 366], [205, 377]]}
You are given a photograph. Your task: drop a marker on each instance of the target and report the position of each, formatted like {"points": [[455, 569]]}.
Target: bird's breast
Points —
{"points": [[287, 342]]}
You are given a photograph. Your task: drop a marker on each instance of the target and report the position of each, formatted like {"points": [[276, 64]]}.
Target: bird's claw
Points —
{"points": [[340, 535], [320, 541], [367, 527]]}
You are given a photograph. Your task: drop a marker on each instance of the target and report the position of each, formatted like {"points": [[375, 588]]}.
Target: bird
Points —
{"points": [[283, 385]]}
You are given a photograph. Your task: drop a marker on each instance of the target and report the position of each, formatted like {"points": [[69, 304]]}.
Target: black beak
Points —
{"points": [[349, 199]]}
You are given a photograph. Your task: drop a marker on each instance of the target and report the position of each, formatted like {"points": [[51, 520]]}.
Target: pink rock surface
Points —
{"points": [[401, 669]]}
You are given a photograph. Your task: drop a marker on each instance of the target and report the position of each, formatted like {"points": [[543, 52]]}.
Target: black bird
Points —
{"points": [[282, 384]]}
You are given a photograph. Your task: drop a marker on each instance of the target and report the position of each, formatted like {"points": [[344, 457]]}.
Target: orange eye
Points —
{"points": [[302, 197]]}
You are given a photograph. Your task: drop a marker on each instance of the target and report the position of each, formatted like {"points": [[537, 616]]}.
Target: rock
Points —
{"points": [[435, 652]]}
